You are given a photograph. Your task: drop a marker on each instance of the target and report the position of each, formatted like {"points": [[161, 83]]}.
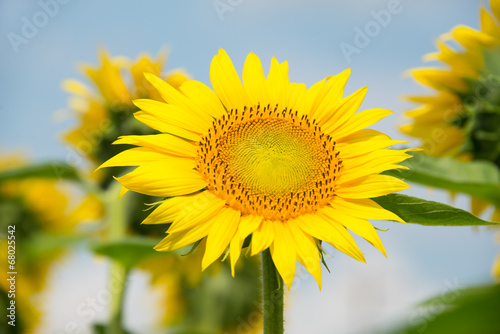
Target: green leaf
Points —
{"points": [[479, 179], [465, 311], [419, 211], [130, 251], [42, 245], [52, 170]]}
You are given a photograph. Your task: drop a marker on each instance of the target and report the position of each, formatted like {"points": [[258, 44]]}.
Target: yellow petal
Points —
{"points": [[450, 137], [164, 143], [262, 237], [478, 206], [369, 160], [323, 228], [363, 142], [283, 252], [248, 224], [172, 114], [359, 226], [255, 81], [470, 38], [328, 99], [296, 93], [277, 83], [162, 179], [203, 97], [174, 97], [371, 163], [226, 82], [495, 8], [343, 110], [182, 239], [435, 113], [76, 87], [222, 231], [197, 212], [176, 78], [371, 186], [142, 155], [145, 63], [123, 191], [358, 122], [305, 104], [89, 209], [439, 79], [464, 64], [496, 217], [160, 125], [364, 208], [307, 251], [170, 209], [488, 24]]}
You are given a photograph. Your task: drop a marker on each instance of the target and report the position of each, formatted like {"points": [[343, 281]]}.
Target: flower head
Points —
{"points": [[270, 159], [462, 118], [103, 109]]}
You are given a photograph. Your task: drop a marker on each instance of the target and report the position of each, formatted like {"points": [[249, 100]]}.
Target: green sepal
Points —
{"points": [[193, 248]]}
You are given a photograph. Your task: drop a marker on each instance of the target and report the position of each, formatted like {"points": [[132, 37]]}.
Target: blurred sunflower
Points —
{"points": [[42, 215], [288, 165], [103, 109], [462, 119]]}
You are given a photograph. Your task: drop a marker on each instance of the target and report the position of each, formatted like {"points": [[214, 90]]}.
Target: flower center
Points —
{"points": [[272, 163]]}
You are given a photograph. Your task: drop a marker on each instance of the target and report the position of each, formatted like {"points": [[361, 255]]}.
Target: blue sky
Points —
{"points": [[421, 260]]}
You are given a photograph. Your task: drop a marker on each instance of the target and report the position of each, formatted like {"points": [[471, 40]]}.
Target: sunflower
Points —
{"points": [[270, 159], [103, 109], [462, 118]]}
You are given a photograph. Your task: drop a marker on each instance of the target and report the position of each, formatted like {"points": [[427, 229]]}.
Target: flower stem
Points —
{"points": [[118, 287], [116, 220], [272, 296]]}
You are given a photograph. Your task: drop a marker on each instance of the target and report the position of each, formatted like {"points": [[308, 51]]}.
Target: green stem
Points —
{"points": [[272, 295], [116, 220], [118, 287]]}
